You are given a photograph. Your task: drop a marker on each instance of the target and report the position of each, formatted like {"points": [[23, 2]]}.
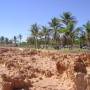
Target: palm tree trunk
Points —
{"points": [[36, 43], [20, 42], [45, 42], [88, 42]]}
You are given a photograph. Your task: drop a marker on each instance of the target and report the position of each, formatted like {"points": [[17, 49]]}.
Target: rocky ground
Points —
{"points": [[29, 69]]}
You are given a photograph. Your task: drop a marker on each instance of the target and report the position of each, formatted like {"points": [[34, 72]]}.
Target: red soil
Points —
{"points": [[26, 69]]}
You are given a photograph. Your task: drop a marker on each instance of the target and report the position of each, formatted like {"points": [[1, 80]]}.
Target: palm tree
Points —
{"points": [[80, 36], [2, 39], [40, 36], [69, 22], [20, 38], [67, 17], [34, 31], [15, 40], [82, 39], [45, 32], [68, 34], [55, 26], [87, 29]]}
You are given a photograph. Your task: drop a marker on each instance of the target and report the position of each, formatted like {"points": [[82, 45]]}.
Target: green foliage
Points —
{"points": [[63, 30], [35, 33], [67, 17], [60, 31], [65, 25], [34, 29], [54, 23], [87, 27]]}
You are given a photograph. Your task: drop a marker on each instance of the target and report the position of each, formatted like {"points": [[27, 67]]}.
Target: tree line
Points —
{"points": [[12, 42], [61, 32]]}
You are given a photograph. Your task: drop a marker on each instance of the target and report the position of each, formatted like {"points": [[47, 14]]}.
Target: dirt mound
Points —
{"points": [[79, 66], [29, 69], [18, 82], [2, 50]]}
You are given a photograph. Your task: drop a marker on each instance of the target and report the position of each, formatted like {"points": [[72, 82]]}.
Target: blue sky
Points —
{"points": [[16, 16]]}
